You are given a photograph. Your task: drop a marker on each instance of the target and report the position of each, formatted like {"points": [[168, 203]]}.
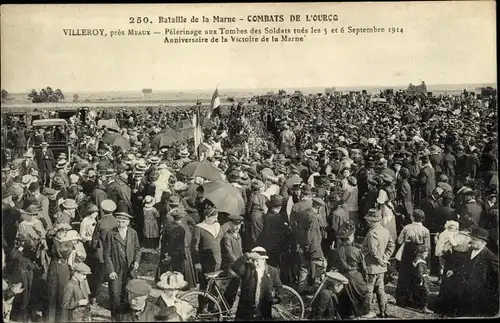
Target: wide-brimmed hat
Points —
{"points": [[62, 163], [373, 215], [346, 230], [61, 226], [171, 280], [72, 235], [281, 169], [261, 252], [178, 213], [149, 201], [257, 184], [479, 233], [154, 160], [275, 201], [26, 179], [174, 200], [267, 163], [44, 144], [69, 204], [180, 186], [91, 208], [183, 152], [386, 178]]}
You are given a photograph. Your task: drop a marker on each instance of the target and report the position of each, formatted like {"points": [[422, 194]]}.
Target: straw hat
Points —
{"points": [[149, 201], [171, 280], [69, 204], [72, 235]]}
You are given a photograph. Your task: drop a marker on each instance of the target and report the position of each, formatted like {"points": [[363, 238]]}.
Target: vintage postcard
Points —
{"points": [[249, 161]]}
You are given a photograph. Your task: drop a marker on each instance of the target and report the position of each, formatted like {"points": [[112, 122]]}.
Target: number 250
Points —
{"points": [[138, 20]]}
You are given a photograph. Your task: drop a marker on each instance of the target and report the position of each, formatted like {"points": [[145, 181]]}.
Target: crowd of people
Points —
{"points": [[337, 188]]}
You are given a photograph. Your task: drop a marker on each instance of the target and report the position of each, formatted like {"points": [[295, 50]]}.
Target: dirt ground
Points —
{"points": [[100, 311]]}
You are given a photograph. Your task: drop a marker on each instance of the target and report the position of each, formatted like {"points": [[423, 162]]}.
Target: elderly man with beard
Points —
{"points": [[261, 287]]}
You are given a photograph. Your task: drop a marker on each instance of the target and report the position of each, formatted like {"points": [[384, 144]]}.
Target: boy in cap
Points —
{"points": [[75, 302], [122, 254], [332, 302], [137, 308]]}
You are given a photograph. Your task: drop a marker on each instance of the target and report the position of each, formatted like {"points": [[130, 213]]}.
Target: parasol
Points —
{"points": [[165, 139], [116, 140], [184, 124], [202, 169], [225, 197]]}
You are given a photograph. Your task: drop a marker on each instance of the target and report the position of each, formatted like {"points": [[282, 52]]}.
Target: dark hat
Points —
{"points": [[91, 208], [252, 173], [168, 314], [479, 233], [346, 230], [210, 212], [386, 177], [233, 176], [276, 200], [34, 186], [373, 215], [235, 218], [294, 169], [138, 287], [32, 210], [178, 213], [425, 159], [122, 212], [352, 180]]}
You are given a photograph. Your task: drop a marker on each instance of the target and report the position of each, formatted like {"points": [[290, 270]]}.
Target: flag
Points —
{"points": [[198, 138], [215, 105]]}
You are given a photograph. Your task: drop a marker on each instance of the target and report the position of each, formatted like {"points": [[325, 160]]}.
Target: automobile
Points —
{"points": [[58, 144]]}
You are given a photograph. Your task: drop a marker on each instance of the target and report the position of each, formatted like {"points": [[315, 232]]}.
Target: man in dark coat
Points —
{"points": [[122, 255], [137, 308], [172, 242], [104, 225], [471, 208], [257, 283], [28, 164], [479, 276], [45, 161], [426, 179], [231, 250]]}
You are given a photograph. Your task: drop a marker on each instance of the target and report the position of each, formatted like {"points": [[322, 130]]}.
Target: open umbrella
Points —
{"points": [[225, 197], [184, 124], [117, 140], [165, 139], [202, 169]]}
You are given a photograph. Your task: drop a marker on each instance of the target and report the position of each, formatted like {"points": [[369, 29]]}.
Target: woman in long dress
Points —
{"points": [[386, 194], [349, 261], [411, 236]]}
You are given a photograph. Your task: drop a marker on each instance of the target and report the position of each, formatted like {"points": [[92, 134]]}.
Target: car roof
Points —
{"points": [[49, 122]]}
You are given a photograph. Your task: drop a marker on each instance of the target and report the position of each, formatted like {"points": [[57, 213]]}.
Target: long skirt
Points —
{"points": [[357, 291], [405, 277], [58, 277]]}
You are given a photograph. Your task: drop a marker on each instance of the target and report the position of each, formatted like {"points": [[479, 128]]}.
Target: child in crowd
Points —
{"points": [[420, 286], [446, 239], [75, 302]]}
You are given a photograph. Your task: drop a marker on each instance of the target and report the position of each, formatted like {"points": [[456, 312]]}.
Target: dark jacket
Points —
{"points": [[104, 225], [473, 210], [426, 182], [119, 255], [206, 249], [45, 163], [126, 314], [270, 280], [172, 242], [311, 235], [231, 249]]}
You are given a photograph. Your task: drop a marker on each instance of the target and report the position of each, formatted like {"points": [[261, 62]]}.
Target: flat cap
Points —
{"points": [[138, 287], [235, 218], [92, 208], [82, 268]]}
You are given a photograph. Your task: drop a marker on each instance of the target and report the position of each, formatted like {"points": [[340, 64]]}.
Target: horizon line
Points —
{"points": [[264, 88]]}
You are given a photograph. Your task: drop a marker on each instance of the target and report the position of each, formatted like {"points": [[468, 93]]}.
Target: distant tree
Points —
{"points": [[46, 95], [76, 98], [147, 92], [330, 90], [230, 99], [5, 95], [282, 92], [299, 93]]}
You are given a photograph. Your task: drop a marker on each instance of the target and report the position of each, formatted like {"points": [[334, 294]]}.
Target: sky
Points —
{"points": [[441, 43]]}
